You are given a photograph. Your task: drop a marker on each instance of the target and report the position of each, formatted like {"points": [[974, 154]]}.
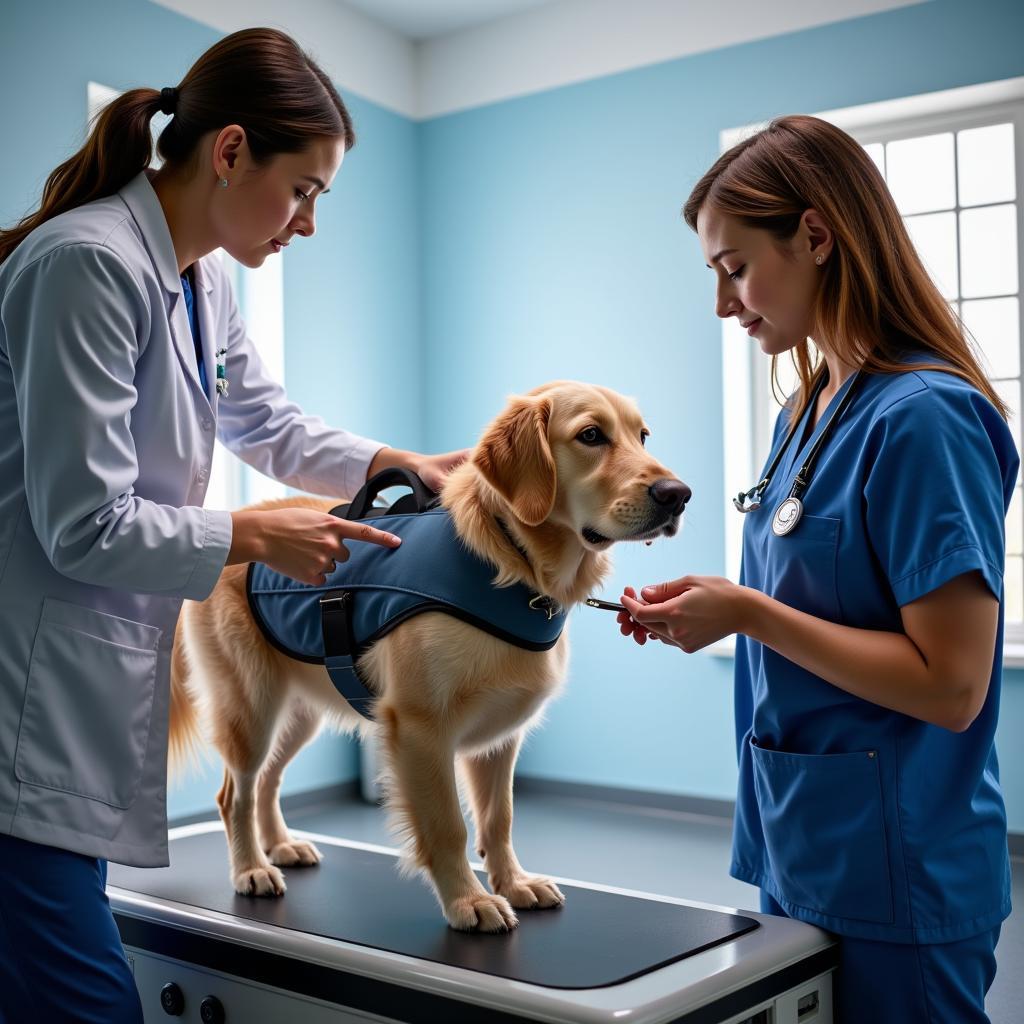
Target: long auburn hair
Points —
{"points": [[258, 78], [876, 302]]}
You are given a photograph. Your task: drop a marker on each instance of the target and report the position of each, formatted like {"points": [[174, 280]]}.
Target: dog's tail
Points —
{"points": [[183, 740]]}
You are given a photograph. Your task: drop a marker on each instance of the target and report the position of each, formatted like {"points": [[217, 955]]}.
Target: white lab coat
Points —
{"points": [[106, 441]]}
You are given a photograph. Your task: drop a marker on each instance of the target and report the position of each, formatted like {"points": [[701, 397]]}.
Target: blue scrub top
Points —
{"points": [[187, 291], [854, 817]]}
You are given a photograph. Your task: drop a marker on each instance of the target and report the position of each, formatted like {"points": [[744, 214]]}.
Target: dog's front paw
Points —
{"points": [[294, 852], [481, 912], [526, 892], [259, 881]]}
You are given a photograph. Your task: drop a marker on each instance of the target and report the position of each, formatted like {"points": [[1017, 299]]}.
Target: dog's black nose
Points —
{"points": [[670, 494]]}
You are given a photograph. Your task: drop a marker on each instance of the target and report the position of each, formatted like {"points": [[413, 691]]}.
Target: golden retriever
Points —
{"points": [[565, 468]]}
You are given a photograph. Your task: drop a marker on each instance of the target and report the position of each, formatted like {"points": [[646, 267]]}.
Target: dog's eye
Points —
{"points": [[592, 436], [644, 434]]}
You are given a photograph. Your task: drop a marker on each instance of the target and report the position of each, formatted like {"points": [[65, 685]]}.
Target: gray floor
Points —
{"points": [[657, 851]]}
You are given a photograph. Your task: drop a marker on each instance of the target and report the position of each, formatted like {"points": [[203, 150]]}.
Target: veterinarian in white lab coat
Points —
{"points": [[122, 357], [871, 605]]}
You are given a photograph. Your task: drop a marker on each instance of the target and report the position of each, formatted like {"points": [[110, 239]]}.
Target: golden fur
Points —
{"points": [[449, 694]]}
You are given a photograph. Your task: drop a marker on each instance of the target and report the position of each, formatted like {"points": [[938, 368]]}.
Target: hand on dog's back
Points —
{"points": [[302, 543]]}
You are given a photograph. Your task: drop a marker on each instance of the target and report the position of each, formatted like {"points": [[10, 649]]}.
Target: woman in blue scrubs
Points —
{"points": [[869, 614]]}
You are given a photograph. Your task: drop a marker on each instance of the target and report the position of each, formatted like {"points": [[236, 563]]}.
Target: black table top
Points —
{"points": [[597, 939]]}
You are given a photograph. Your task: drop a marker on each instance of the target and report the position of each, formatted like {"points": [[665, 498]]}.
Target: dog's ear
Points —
{"points": [[514, 457]]}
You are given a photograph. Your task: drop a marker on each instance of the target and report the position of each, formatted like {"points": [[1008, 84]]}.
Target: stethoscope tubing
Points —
{"points": [[802, 479]]}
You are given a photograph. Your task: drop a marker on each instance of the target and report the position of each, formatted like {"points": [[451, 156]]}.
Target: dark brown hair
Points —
{"points": [[258, 78], [876, 302]]}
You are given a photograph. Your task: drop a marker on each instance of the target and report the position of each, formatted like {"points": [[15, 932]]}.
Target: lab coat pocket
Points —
{"points": [[824, 829], [800, 568], [85, 722]]}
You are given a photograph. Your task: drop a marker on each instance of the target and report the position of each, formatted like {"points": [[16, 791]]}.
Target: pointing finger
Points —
{"points": [[363, 531]]}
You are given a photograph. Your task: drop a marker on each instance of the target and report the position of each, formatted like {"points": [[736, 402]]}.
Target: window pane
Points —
{"points": [[995, 325], [788, 378], [988, 251], [876, 151], [934, 237], [986, 164], [1014, 525], [1014, 590], [920, 173], [1009, 392], [262, 300], [262, 488], [223, 490]]}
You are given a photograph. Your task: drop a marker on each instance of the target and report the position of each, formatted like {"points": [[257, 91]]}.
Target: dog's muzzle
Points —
{"points": [[669, 497]]}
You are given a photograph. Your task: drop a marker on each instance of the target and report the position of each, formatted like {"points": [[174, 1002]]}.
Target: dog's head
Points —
{"points": [[572, 455]]}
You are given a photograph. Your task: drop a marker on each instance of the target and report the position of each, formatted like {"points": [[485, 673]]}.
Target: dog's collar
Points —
{"points": [[539, 602]]}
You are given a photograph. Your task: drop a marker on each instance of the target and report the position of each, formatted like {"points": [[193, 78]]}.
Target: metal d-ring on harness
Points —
{"points": [[790, 509]]}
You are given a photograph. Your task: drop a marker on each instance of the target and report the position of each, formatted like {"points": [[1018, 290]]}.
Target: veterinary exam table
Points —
{"points": [[353, 941]]}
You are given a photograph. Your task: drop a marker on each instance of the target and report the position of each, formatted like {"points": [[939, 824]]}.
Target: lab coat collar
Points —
{"points": [[145, 207], [142, 201], [202, 275]]}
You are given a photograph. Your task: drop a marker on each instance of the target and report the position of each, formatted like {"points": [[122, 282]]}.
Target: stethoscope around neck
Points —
{"points": [[790, 509]]}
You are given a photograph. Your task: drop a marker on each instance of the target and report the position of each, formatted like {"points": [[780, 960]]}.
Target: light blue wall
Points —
{"points": [[552, 246], [350, 292]]}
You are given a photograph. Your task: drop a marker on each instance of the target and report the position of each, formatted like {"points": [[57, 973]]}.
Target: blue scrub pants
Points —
{"points": [[61, 958], [896, 983]]}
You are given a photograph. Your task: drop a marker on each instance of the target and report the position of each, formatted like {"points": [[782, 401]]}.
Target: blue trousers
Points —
{"points": [[896, 983], [61, 958]]}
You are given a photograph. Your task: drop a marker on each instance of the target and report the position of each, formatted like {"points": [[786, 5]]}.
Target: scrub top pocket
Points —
{"points": [[800, 568], [824, 829], [85, 724]]}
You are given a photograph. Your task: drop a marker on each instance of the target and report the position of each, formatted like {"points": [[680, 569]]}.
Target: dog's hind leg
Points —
{"points": [[489, 778], [301, 726], [424, 797]]}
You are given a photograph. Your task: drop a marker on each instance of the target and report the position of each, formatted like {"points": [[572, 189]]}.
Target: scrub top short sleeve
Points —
{"points": [[935, 493]]}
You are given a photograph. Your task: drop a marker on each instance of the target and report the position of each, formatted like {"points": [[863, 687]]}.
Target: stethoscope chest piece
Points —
{"points": [[787, 515]]}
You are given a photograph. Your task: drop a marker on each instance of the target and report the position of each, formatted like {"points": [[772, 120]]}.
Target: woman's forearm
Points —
{"points": [[387, 458], [881, 667]]}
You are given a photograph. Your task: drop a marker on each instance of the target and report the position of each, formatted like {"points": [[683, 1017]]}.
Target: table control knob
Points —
{"points": [[211, 1011], [172, 999]]}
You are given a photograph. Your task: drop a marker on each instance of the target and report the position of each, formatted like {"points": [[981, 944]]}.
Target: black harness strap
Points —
{"points": [[339, 650]]}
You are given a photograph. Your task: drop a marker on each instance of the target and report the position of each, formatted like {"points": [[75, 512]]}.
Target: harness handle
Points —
{"points": [[394, 476]]}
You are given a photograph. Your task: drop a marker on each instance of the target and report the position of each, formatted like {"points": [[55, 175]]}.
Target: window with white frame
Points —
{"points": [[954, 162], [260, 296]]}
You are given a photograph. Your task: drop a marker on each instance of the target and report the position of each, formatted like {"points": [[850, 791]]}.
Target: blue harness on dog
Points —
{"points": [[333, 624]]}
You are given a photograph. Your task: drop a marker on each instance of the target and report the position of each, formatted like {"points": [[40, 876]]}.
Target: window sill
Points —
{"points": [[1013, 653]]}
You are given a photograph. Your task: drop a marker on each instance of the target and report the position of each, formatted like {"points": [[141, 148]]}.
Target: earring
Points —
{"points": [[817, 259], [223, 183]]}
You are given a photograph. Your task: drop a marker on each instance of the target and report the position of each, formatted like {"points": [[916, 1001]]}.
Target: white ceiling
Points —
{"points": [[426, 19]]}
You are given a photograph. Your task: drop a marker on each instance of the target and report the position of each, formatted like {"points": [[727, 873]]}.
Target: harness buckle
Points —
{"points": [[543, 603]]}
